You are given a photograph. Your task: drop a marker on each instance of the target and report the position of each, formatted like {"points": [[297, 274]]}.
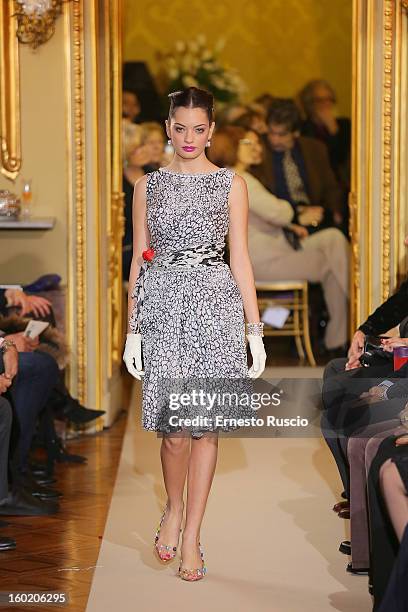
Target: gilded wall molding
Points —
{"points": [[378, 193], [401, 143], [354, 231], [36, 26], [116, 220], [387, 102], [78, 113], [10, 137]]}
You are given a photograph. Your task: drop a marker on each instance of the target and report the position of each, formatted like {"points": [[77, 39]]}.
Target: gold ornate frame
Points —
{"points": [[116, 218], [75, 75], [378, 199], [10, 137], [36, 29], [93, 76]]}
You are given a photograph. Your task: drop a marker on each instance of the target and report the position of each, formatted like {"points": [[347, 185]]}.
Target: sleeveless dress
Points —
{"points": [[193, 324]]}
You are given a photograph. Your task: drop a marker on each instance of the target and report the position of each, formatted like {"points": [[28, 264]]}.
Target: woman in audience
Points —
{"points": [[254, 121], [262, 103], [16, 308], [230, 113], [394, 488], [388, 517], [153, 140], [136, 156], [272, 255]]}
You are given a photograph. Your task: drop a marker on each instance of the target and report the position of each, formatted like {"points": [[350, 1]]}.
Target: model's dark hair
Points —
{"points": [[283, 111], [192, 97]]}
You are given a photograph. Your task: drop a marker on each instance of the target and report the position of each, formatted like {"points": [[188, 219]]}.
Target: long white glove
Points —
{"points": [[132, 355], [256, 346]]}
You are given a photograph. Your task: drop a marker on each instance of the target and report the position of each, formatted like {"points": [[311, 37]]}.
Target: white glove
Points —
{"points": [[132, 355], [256, 346]]}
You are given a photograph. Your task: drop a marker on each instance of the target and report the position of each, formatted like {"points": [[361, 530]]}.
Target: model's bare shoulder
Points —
{"points": [[239, 184], [141, 183], [239, 190], [139, 191]]}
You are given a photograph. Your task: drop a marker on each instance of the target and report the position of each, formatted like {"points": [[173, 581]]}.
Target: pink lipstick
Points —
{"points": [[189, 149]]}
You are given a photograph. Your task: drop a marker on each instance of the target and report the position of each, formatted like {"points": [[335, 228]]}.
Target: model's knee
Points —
{"points": [[175, 444], [207, 439]]}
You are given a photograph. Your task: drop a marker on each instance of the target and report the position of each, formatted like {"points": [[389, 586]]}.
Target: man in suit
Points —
{"points": [[297, 169]]}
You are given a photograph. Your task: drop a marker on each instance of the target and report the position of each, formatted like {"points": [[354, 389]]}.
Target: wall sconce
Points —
{"points": [[36, 20]]}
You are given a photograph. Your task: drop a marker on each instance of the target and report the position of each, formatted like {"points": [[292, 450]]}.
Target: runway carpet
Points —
{"points": [[269, 535]]}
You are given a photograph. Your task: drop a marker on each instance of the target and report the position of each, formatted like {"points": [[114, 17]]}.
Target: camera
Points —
{"points": [[373, 352]]}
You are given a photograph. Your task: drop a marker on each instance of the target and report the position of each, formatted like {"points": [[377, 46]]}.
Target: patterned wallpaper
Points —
{"points": [[277, 45]]}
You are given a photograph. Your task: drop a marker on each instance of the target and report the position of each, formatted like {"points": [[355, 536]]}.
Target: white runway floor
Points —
{"points": [[270, 538]]}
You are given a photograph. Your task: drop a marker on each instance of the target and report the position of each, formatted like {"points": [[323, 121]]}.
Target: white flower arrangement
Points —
{"points": [[194, 64]]}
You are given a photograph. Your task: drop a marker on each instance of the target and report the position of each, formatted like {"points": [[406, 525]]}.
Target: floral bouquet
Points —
{"points": [[193, 64]]}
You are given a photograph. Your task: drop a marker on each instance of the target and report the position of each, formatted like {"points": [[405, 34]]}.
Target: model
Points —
{"points": [[187, 311]]}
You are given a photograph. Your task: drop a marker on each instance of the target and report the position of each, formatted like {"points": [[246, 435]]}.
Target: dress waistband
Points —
{"points": [[202, 255]]}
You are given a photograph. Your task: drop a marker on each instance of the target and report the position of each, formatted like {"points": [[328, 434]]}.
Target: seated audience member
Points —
{"points": [[28, 304], [131, 108], [262, 103], [318, 101], [27, 379], [388, 509], [153, 140], [360, 449], [25, 307], [362, 407], [297, 169], [230, 113], [253, 120], [323, 257], [393, 479], [345, 379], [5, 430], [135, 157]]}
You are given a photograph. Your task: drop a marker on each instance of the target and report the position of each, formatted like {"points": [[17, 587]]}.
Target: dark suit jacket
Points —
{"points": [[393, 312], [388, 315], [338, 146], [324, 189]]}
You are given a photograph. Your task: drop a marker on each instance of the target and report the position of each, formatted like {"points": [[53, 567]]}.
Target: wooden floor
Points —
{"points": [[59, 552]]}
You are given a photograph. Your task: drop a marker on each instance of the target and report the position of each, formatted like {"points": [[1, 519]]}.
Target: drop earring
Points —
{"points": [[169, 142], [208, 143]]}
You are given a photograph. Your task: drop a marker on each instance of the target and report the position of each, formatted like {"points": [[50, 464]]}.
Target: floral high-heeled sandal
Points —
{"points": [[164, 551], [192, 575]]}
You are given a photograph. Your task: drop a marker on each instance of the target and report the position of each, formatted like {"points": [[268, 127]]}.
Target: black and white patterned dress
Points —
{"points": [[193, 320]]}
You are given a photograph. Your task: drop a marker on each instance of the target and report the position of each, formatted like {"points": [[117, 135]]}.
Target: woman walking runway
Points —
{"points": [[187, 311]]}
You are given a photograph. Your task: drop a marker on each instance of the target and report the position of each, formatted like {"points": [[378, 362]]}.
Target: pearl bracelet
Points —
{"points": [[255, 329]]}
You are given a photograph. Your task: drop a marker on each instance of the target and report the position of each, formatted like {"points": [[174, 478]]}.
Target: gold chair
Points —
{"points": [[292, 295]]}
